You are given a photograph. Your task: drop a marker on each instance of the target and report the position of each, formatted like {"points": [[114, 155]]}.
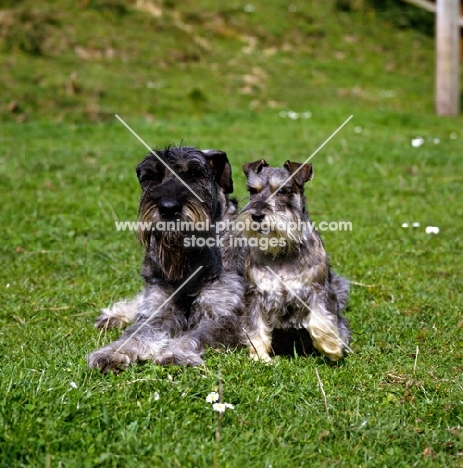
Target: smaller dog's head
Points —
{"points": [[182, 184], [276, 213]]}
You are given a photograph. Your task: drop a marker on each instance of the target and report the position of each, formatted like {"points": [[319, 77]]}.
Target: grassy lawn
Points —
{"points": [[67, 173]]}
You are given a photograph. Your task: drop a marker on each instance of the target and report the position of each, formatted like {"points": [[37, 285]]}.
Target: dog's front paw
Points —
{"points": [[334, 356], [263, 357], [259, 348], [333, 351], [108, 360], [172, 358]]}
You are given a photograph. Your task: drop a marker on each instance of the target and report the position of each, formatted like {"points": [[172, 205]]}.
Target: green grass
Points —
{"points": [[67, 174]]}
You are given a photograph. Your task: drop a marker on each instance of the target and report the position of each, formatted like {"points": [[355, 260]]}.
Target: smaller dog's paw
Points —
{"points": [[264, 357], [333, 355], [179, 359], [108, 360]]}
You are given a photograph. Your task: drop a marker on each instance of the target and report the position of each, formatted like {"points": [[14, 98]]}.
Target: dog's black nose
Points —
{"points": [[170, 208], [258, 217]]}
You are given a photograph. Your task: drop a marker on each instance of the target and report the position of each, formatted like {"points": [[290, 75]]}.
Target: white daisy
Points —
{"points": [[212, 397], [219, 407], [417, 142]]}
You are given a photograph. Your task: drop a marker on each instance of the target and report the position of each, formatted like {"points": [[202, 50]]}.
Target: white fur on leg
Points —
{"points": [[323, 329], [260, 343], [119, 314]]}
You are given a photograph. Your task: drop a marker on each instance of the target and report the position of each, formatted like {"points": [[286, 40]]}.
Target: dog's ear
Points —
{"points": [[255, 166], [302, 172], [219, 162], [150, 170]]}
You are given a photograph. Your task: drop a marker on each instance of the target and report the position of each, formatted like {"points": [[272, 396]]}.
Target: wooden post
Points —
{"points": [[447, 57]]}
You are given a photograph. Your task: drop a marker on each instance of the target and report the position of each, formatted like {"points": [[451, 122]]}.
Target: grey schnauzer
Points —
{"points": [[191, 299], [289, 283]]}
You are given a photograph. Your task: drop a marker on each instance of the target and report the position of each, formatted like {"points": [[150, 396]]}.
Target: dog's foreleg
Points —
{"points": [[152, 331], [259, 335], [187, 349], [214, 321], [140, 342], [126, 350], [322, 326]]}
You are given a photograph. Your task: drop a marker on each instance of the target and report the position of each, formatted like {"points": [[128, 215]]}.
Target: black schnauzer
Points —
{"points": [[191, 299]]}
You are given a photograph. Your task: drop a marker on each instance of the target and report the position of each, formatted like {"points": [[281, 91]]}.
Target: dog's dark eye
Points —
{"points": [[193, 172], [148, 176], [252, 190], [282, 191]]}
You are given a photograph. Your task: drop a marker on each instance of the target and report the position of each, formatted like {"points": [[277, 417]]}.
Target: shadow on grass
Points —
{"points": [[291, 342], [295, 342]]}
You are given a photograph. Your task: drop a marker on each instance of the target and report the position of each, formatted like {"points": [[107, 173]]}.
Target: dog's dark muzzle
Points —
{"points": [[170, 208], [257, 210], [257, 217]]}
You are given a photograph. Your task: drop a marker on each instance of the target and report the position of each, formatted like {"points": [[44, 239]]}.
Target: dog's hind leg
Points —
{"points": [[341, 289], [119, 314]]}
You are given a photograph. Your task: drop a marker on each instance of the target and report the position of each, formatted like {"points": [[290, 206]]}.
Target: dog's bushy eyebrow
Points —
{"points": [[195, 165], [276, 180], [149, 169], [188, 166], [255, 181]]}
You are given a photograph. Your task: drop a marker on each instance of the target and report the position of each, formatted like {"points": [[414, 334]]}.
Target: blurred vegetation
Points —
{"points": [[64, 60], [405, 15]]}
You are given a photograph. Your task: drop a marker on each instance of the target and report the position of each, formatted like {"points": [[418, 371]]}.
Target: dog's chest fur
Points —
{"points": [[280, 306]]}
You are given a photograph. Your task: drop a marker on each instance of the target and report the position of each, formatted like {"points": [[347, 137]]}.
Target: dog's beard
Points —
{"points": [[278, 234], [168, 245]]}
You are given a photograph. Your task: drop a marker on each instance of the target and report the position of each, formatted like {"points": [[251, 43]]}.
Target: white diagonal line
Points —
{"points": [[309, 158], [155, 154], [303, 302], [160, 307]]}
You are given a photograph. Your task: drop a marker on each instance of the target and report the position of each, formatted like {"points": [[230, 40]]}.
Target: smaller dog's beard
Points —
{"points": [[283, 227]]}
